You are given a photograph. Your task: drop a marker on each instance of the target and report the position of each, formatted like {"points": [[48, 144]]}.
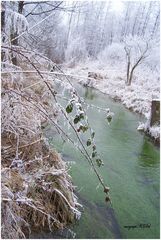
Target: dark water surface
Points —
{"points": [[131, 170]]}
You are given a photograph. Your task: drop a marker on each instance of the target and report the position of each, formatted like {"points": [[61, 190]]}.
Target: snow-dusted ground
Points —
{"points": [[137, 97]]}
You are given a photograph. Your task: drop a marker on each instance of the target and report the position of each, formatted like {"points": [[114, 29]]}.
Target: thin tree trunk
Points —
{"points": [[155, 24], [2, 30], [20, 6], [142, 16], [146, 19], [130, 77], [70, 21], [136, 20], [133, 68], [128, 72], [124, 29]]}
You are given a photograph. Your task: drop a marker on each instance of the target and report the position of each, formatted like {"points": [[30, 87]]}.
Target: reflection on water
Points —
{"points": [[89, 93], [148, 156], [105, 216]]}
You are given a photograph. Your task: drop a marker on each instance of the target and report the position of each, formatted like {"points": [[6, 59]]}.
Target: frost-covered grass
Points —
{"points": [[137, 97], [35, 181], [153, 131]]}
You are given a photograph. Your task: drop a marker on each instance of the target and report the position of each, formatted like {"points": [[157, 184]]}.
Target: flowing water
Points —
{"points": [[131, 170]]}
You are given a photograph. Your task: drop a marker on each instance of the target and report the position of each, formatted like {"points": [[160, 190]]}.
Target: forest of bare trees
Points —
{"points": [[69, 31]]}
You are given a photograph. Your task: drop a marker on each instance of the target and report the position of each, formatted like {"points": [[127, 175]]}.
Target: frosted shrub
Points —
{"points": [[33, 175], [112, 54], [153, 60], [76, 51]]}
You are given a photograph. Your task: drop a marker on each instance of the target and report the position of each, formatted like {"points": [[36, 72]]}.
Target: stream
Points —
{"points": [[131, 170]]}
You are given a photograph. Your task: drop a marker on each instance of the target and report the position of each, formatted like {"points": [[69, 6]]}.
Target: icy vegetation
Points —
{"points": [[15, 24], [36, 189], [152, 131]]}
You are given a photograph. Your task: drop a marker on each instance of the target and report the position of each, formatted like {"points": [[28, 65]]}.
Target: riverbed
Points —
{"points": [[131, 170]]}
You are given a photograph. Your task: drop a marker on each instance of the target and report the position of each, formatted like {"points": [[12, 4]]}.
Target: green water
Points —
{"points": [[131, 170]]}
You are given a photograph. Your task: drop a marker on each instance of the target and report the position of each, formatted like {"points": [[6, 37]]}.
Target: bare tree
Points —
{"points": [[131, 65]]}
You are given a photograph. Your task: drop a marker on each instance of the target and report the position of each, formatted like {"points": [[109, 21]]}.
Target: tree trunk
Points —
{"points": [[136, 21], [130, 77], [70, 21], [20, 6], [14, 36], [142, 17], [155, 24], [146, 19], [14, 42], [128, 72], [2, 30], [155, 112]]}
